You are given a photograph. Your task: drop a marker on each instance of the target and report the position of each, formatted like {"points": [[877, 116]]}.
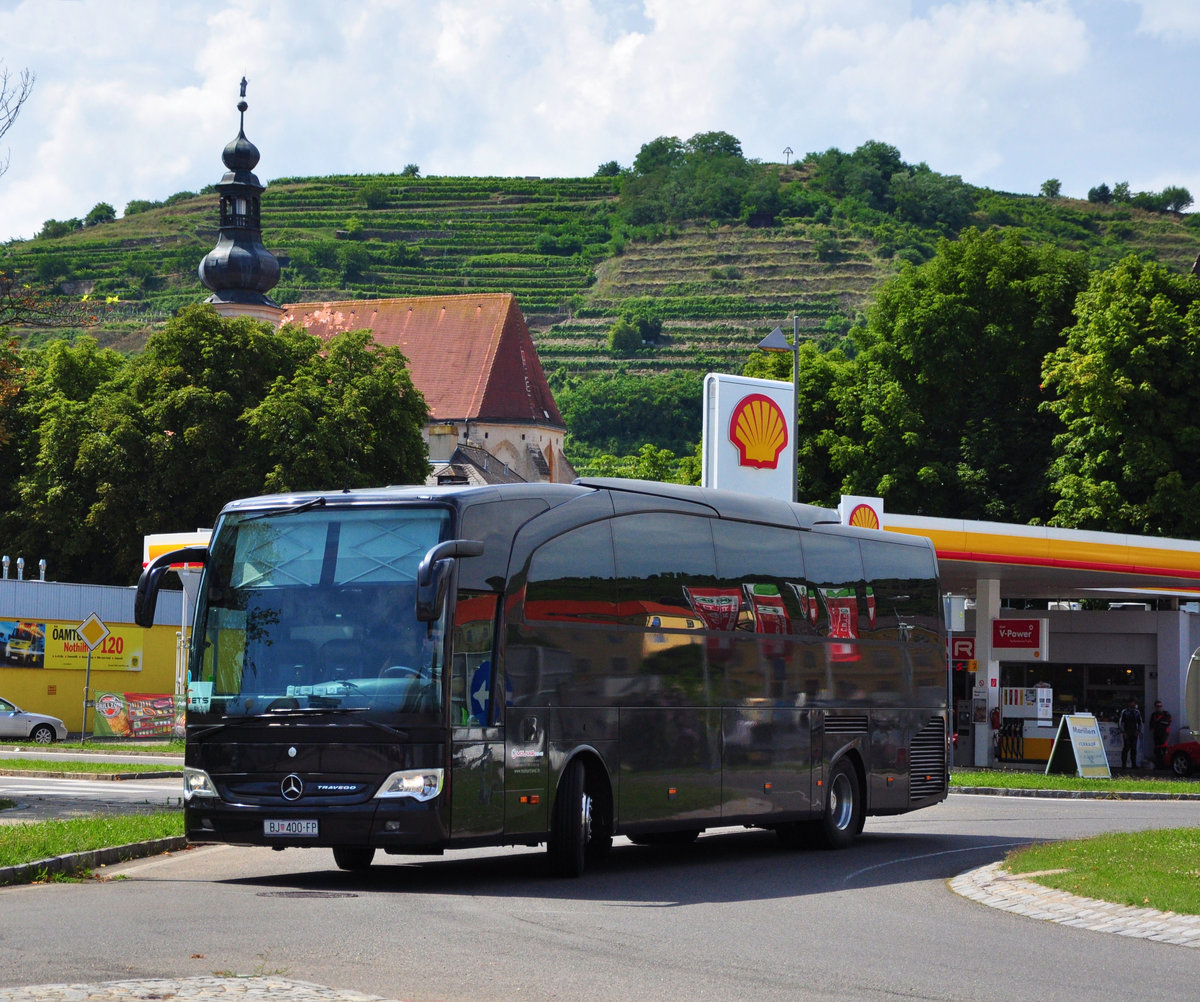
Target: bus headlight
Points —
{"points": [[419, 784], [196, 783]]}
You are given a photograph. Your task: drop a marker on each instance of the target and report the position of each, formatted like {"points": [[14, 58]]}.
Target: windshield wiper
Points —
{"points": [[287, 510]]}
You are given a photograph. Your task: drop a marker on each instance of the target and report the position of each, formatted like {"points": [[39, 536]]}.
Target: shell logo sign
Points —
{"points": [[862, 512], [758, 430], [864, 517], [748, 443]]}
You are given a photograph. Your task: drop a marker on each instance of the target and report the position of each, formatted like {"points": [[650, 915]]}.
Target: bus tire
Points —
{"points": [[353, 857], [843, 817], [571, 830]]}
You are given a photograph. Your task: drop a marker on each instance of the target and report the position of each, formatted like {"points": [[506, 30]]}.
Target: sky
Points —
{"points": [[135, 99]]}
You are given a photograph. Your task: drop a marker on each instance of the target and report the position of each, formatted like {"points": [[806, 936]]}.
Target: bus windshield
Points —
{"points": [[315, 610]]}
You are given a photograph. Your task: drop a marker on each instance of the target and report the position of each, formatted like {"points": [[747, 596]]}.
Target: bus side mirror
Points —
{"points": [[433, 575], [146, 599]]}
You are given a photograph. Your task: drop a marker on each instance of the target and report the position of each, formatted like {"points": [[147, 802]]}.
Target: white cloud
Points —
{"points": [[1175, 21], [137, 100]]}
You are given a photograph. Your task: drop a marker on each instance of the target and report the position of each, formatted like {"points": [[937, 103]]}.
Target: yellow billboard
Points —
{"points": [[52, 644]]}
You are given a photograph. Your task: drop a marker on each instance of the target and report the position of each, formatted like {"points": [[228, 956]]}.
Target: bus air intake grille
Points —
{"points": [[927, 760], [854, 724]]}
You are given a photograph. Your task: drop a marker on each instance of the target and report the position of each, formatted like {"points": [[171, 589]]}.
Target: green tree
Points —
{"points": [[610, 168], [620, 413], [354, 259], [948, 377], [1128, 391], [411, 170], [1051, 188], [213, 409], [53, 228], [1176, 198], [930, 199], [1100, 193], [623, 337], [660, 153], [133, 207], [375, 195], [827, 428], [349, 416], [62, 414], [101, 212]]}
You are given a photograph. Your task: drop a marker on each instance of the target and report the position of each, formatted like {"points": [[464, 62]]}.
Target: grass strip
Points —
{"points": [[96, 768], [1038, 781], [30, 841], [1153, 869]]}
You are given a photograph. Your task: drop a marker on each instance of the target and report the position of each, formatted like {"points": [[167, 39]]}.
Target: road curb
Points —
{"points": [[1004, 791], [27, 873]]}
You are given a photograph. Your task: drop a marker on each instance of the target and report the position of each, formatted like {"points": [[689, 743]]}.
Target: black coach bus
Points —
{"points": [[413, 669]]}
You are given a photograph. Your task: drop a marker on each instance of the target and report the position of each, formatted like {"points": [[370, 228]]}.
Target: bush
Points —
{"points": [[52, 228], [140, 205], [375, 195], [101, 212], [624, 338]]}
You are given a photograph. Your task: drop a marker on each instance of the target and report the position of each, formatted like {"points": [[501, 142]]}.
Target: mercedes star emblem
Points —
{"points": [[292, 787]]}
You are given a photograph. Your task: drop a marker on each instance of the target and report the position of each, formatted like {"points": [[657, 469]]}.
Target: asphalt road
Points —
{"points": [[733, 917], [41, 798]]}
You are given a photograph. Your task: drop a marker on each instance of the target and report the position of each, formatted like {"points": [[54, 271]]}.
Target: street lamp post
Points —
{"points": [[777, 341]]}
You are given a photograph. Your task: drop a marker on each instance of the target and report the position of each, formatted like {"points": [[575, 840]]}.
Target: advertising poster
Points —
{"points": [[24, 643], [51, 644], [138, 715]]}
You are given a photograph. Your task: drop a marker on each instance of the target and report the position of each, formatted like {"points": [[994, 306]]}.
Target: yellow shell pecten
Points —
{"points": [[759, 431]]}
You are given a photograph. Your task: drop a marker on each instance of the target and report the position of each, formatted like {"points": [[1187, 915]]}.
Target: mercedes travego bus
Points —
{"points": [[415, 669]]}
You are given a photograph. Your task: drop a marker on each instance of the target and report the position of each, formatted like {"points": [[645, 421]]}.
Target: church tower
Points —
{"points": [[240, 271]]}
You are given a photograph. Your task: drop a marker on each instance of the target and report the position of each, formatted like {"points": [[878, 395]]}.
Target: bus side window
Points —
{"points": [[906, 603], [470, 676], [765, 565], [665, 566], [570, 578], [833, 566]]}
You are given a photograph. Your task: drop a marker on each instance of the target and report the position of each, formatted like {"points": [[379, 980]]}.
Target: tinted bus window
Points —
{"points": [[666, 572], [904, 581], [571, 577], [470, 679], [834, 568], [763, 564]]}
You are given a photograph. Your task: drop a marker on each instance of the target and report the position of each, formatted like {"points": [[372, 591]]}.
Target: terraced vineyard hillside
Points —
{"points": [[718, 291], [560, 246]]}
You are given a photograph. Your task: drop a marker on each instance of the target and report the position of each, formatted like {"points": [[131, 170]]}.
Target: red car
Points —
{"points": [[1184, 757]]}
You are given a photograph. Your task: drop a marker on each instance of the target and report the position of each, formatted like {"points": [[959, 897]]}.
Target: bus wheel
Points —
{"points": [[843, 816], [572, 828], [353, 857]]}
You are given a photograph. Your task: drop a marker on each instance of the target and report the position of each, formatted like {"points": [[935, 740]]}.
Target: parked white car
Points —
{"points": [[39, 727]]}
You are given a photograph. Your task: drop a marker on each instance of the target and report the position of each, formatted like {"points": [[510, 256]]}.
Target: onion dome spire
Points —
{"points": [[240, 271]]}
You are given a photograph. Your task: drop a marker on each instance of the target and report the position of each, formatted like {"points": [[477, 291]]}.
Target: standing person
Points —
{"points": [[1131, 729], [1160, 728]]}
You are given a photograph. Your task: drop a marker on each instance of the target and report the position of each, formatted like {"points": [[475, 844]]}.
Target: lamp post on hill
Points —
{"points": [[777, 341]]}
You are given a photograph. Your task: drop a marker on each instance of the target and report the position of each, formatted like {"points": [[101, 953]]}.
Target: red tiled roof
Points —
{"points": [[471, 356]]}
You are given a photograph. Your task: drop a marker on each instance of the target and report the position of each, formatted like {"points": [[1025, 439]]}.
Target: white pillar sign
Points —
{"points": [[748, 444]]}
